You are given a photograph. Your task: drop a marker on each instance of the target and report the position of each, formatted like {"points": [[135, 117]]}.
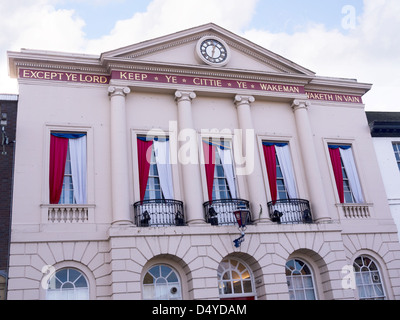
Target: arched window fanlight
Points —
{"points": [[162, 282], [368, 279], [68, 284], [235, 280], [300, 280]]}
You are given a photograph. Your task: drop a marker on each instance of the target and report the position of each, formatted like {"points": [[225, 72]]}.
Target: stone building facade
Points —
{"points": [[141, 211]]}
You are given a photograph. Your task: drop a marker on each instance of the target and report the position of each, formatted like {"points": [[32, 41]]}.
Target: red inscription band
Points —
{"points": [[205, 82], [185, 80]]}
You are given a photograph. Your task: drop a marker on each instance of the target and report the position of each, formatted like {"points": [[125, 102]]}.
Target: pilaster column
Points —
{"points": [[189, 159], [119, 156], [253, 171], [310, 161]]}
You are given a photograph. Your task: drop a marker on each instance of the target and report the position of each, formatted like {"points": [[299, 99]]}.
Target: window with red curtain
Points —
{"points": [[58, 158], [68, 168], [270, 161], [144, 159]]}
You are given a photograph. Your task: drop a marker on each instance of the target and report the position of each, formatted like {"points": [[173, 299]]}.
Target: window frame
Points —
{"points": [[153, 182], [373, 283], [160, 265], [222, 138], [312, 274], [90, 185], [220, 185], [68, 269], [230, 280], [355, 152]]}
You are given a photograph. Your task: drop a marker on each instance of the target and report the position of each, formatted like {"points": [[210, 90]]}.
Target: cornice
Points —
{"points": [[53, 61], [338, 85]]}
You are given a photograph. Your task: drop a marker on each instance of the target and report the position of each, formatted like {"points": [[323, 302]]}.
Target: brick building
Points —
{"points": [[8, 113]]}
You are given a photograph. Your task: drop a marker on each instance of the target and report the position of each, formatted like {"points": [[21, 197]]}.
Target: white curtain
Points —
{"points": [[226, 160], [161, 150], [351, 170], [77, 149], [285, 161]]}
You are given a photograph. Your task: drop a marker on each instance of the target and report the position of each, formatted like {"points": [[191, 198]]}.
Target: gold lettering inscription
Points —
{"points": [[63, 76]]}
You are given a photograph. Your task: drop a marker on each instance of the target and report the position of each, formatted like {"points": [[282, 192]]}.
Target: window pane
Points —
{"points": [[247, 288]]}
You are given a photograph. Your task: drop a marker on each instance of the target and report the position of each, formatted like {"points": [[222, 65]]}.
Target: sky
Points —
{"points": [[355, 39]]}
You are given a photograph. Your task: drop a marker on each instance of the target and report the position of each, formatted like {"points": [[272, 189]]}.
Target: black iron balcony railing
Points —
{"points": [[290, 211], [159, 213], [220, 212]]}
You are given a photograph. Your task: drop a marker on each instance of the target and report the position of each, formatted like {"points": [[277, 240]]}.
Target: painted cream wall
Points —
{"points": [[65, 108]]}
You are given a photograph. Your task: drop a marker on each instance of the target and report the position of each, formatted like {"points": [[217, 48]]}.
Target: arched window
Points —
{"points": [[162, 282], [368, 279], [235, 280], [68, 284], [300, 280]]}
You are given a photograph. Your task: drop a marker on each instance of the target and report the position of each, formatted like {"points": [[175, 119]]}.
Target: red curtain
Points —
{"points": [[58, 157], [209, 157], [270, 161], [337, 170], [144, 157]]}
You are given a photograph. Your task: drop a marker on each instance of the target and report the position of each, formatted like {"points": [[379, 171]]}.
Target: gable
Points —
{"points": [[180, 49]]}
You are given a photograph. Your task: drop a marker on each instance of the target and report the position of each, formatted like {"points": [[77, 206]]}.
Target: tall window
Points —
{"points": [[68, 284], [368, 279], [280, 171], [300, 280], [221, 182], [155, 174], [396, 148], [162, 282], [68, 168], [346, 176], [220, 185], [235, 280]]}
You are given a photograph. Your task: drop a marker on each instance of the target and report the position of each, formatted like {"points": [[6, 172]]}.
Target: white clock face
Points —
{"points": [[213, 51]]}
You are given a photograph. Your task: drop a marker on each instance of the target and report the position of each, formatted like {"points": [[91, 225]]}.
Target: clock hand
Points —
{"points": [[213, 51]]}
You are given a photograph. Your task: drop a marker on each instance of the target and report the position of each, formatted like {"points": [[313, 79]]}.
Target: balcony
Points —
{"points": [[290, 211], [220, 212], [159, 213]]}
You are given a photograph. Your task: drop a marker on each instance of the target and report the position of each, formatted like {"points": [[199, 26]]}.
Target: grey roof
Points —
{"points": [[384, 124]]}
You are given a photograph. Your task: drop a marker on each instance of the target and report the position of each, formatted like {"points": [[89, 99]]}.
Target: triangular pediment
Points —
{"points": [[180, 49]]}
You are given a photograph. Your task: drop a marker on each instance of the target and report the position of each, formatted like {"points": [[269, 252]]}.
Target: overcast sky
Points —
{"points": [[339, 38]]}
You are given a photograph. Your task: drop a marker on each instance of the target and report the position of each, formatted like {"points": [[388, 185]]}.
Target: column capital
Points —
{"points": [[118, 91], [239, 100], [300, 104], [184, 95]]}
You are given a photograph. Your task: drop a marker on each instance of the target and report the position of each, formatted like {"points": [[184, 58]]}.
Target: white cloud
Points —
{"points": [[167, 16], [368, 53], [35, 24]]}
